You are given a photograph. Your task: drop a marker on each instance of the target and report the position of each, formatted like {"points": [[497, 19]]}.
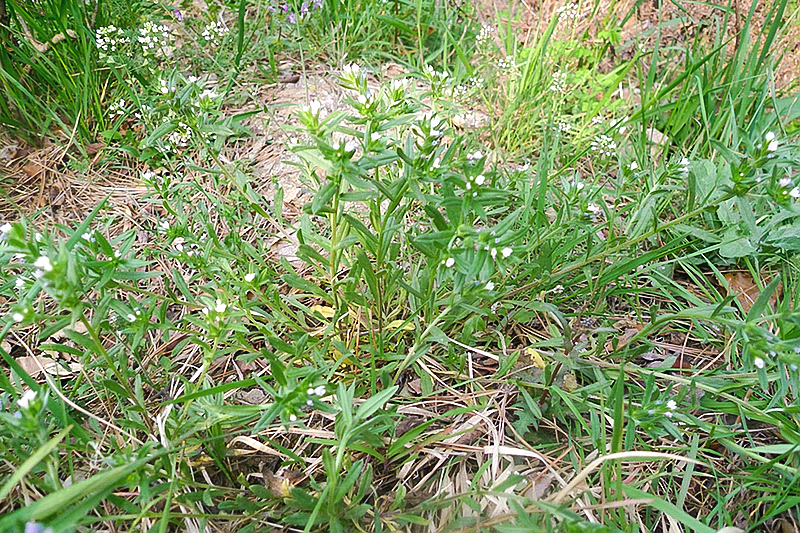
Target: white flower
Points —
{"points": [[17, 317], [759, 362], [793, 367], [672, 405], [292, 418], [795, 193], [43, 263], [208, 94], [770, 136], [507, 251], [634, 165], [480, 179], [250, 277], [361, 99], [398, 84], [559, 82], [26, 399], [320, 390], [474, 155], [493, 252], [5, 228], [449, 262], [489, 286], [785, 182], [772, 146], [220, 307], [131, 317], [352, 68]]}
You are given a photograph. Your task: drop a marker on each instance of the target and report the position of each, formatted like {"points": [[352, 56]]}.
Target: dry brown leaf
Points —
{"points": [[32, 169], [33, 365], [94, 148], [746, 290]]}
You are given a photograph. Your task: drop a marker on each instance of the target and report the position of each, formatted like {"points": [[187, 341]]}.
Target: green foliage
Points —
{"points": [[439, 291]]}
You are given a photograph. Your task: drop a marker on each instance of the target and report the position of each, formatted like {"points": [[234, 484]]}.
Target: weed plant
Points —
{"points": [[453, 328]]}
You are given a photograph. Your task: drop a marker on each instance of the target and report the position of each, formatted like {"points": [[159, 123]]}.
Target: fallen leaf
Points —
{"points": [[324, 310], [94, 148], [394, 324], [746, 290], [33, 365], [535, 358], [32, 169]]}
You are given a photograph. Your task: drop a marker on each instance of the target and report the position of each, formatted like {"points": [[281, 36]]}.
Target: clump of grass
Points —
{"points": [[456, 340]]}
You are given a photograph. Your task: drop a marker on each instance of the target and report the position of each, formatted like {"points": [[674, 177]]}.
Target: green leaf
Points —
{"points": [[763, 299], [373, 403], [323, 196]]}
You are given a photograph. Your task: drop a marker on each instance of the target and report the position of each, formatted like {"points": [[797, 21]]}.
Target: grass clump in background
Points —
{"points": [[500, 298]]}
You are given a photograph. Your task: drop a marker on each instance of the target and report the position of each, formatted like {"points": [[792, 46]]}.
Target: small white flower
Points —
{"points": [[352, 68], [310, 391], [770, 136], [43, 263], [17, 317], [375, 136], [559, 82], [795, 193], [668, 414], [772, 146], [474, 155], [220, 307], [250, 277], [292, 418], [131, 317], [634, 165], [785, 182], [672, 405], [489, 286], [480, 179], [26, 399], [361, 99], [759, 362], [5, 228], [309, 403], [320, 390], [507, 251], [449, 262], [793, 367], [493, 252], [19, 283]]}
